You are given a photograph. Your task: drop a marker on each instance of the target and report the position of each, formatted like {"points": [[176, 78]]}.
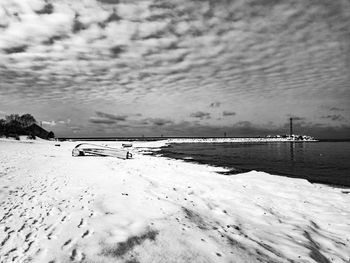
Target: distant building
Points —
{"points": [[38, 131]]}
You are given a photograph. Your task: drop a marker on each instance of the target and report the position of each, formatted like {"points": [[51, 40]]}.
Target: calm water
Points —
{"points": [[323, 162]]}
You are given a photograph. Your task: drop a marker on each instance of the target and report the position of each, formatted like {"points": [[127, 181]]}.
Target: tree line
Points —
{"points": [[15, 125]]}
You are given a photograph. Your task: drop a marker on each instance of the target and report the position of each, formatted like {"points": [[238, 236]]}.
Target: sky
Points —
{"points": [[177, 68]]}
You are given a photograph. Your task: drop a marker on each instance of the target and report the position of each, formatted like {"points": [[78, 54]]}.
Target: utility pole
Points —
{"points": [[290, 126]]}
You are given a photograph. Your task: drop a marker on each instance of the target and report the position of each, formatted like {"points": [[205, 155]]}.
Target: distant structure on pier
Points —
{"points": [[291, 136]]}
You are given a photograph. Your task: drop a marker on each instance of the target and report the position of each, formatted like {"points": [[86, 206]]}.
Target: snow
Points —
{"points": [[241, 140], [59, 208]]}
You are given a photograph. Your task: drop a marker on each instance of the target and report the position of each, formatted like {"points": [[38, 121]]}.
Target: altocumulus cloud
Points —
{"points": [[99, 120], [228, 113], [207, 51], [49, 123], [200, 115], [111, 116], [131, 121], [159, 121], [107, 118], [334, 117], [336, 109], [63, 44]]}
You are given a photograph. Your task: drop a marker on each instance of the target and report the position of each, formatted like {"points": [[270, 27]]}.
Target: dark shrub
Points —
{"points": [[2, 127], [14, 127], [51, 135], [31, 136]]}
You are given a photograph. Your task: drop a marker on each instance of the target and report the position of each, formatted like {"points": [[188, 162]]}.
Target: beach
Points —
{"points": [[59, 208]]}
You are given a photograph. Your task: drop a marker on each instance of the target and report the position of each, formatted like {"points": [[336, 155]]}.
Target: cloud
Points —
{"points": [[200, 115], [63, 122], [77, 25], [99, 120], [49, 123], [160, 121], [117, 50], [76, 129], [238, 61], [244, 124], [334, 117], [15, 49], [113, 17], [132, 121], [107, 118], [336, 109], [109, 1], [53, 39], [47, 9], [111, 116], [228, 113]]}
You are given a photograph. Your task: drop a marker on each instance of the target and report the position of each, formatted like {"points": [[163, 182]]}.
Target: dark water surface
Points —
{"points": [[322, 162]]}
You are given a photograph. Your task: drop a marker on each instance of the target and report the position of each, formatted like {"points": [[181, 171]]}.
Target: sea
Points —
{"points": [[326, 162]]}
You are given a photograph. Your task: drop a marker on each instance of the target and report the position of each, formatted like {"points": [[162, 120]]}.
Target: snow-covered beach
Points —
{"points": [[59, 208]]}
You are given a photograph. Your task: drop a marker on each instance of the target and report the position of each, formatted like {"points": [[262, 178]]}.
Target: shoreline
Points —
{"points": [[230, 171], [148, 209], [235, 140], [196, 157], [190, 140]]}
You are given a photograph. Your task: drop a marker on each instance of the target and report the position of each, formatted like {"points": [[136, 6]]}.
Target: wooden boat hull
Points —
{"points": [[99, 150]]}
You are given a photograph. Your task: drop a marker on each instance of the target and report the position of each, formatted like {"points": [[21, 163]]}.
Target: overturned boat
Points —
{"points": [[88, 149]]}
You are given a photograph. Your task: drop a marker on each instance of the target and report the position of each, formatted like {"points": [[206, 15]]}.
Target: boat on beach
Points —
{"points": [[89, 149]]}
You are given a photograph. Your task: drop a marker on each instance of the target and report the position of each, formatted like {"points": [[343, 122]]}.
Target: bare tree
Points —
{"points": [[13, 118], [26, 120]]}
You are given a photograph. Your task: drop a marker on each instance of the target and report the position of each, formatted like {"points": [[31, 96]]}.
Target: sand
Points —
{"points": [[59, 208]]}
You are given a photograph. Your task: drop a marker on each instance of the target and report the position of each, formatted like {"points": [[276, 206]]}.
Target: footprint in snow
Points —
{"points": [[48, 227], [27, 237], [81, 223], [10, 251], [67, 244], [51, 236], [4, 242], [86, 234], [77, 255], [29, 246], [21, 228]]}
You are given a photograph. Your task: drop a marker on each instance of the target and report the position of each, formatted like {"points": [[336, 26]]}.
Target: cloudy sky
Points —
{"points": [[177, 68]]}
